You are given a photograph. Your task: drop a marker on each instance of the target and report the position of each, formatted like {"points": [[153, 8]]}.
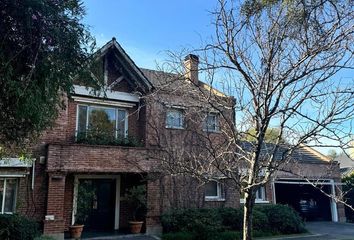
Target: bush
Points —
{"points": [[235, 220], [231, 218], [282, 219], [215, 224], [260, 221], [213, 236], [201, 222], [44, 238], [228, 236], [16, 227], [178, 236]]}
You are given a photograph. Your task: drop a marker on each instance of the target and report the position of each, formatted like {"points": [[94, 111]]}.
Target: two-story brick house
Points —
{"points": [[111, 141]]}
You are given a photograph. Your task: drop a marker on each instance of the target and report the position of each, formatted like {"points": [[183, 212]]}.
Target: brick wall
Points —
{"points": [[98, 158], [32, 203], [55, 204]]}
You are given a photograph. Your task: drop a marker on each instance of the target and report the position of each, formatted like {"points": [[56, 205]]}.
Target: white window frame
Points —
{"points": [[4, 196], [260, 196], [217, 122], [219, 196], [104, 107], [173, 109]]}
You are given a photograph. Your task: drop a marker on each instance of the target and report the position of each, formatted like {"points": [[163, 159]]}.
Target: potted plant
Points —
{"points": [[84, 207], [136, 199]]}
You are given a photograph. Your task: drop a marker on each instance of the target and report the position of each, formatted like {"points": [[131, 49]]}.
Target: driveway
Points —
{"points": [[332, 230], [325, 231]]}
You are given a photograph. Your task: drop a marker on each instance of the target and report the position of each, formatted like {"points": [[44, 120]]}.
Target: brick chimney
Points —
{"points": [[191, 62]]}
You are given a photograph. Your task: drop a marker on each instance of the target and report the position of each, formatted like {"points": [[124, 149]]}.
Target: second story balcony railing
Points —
{"points": [[104, 137]]}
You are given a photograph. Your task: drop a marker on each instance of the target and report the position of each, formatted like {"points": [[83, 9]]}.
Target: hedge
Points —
{"points": [[282, 219], [226, 223], [17, 227]]}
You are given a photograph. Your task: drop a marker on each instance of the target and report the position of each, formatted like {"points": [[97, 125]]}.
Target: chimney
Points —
{"points": [[191, 62]]}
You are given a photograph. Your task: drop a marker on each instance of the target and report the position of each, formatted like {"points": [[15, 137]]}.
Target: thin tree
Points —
{"points": [[281, 61]]}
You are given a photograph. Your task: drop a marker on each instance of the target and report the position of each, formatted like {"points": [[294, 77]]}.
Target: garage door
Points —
{"points": [[309, 201]]}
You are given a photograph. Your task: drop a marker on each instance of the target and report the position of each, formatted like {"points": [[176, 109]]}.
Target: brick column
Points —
{"points": [[153, 224], [54, 220]]}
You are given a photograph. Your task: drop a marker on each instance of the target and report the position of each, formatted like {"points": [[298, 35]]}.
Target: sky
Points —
{"points": [[146, 29]]}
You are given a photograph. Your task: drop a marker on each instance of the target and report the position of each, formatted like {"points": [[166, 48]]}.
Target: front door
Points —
{"points": [[99, 195]]}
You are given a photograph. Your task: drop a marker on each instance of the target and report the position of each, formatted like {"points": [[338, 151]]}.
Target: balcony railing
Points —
{"points": [[99, 137]]}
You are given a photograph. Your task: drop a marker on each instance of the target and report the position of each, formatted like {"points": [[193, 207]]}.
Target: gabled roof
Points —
{"points": [[168, 80], [302, 154], [132, 69]]}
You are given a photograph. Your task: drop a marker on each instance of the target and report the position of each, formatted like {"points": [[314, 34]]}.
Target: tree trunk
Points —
{"points": [[247, 216]]}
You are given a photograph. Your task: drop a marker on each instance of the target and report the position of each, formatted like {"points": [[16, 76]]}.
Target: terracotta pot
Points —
{"points": [[75, 231], [135, 226]]}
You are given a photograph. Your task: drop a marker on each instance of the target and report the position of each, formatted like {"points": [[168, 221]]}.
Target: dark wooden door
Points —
{"points": [[101, 216]]}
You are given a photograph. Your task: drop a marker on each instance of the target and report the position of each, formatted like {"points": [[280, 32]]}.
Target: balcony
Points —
{"points": [[111, 138], [98, 158]]}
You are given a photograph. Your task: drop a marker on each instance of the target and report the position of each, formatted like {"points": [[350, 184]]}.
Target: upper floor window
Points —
{"points": [[211, 122], [214, 191], [8, 194], [102, 121], [174, 118]]}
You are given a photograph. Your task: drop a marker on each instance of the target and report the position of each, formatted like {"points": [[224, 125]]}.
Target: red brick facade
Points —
{"points": [[51, 201]]}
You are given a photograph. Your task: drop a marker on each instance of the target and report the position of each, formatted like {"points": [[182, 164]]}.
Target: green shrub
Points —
{"points": [[44, 238], [178, 236], [260, 221], [282, 219], [231, 218], [259, 233], [215, 224], [228, 236], [16, 227], [213, 236], [201, 222]]}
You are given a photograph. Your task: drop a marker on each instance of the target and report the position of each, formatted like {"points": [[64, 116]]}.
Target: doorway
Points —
{"points": [[97, 199], [308, 201]]}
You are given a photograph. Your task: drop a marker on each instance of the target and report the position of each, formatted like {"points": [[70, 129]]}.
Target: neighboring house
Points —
{"points": [[74, 152], [346, 164]]}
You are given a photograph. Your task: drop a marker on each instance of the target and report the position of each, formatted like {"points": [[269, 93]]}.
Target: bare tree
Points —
{"points": [[282, 64]]}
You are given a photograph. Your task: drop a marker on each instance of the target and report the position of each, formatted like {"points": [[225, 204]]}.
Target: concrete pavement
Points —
{"points": [[324, 231]]}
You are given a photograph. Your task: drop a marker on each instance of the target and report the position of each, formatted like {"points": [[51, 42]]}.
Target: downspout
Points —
{"points": [[33, 172]]}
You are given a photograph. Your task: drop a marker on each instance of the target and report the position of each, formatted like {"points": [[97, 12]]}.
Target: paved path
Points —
{"points": [[318, 231], [332, 230], [325, 231]]}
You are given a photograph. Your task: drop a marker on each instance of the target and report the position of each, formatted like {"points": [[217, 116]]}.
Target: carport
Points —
{"points": [[311, 202]]}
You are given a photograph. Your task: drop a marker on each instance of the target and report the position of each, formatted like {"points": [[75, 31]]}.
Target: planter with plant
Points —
{"points": [[84, 206], [136, 199]]}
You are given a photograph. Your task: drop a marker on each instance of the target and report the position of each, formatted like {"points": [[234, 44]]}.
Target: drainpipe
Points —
{"points": [[273, 192], [33, 176]]}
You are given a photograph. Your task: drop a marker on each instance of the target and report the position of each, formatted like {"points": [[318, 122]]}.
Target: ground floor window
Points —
{"points": [[260, 195], [214, 191], [8, 194]]}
